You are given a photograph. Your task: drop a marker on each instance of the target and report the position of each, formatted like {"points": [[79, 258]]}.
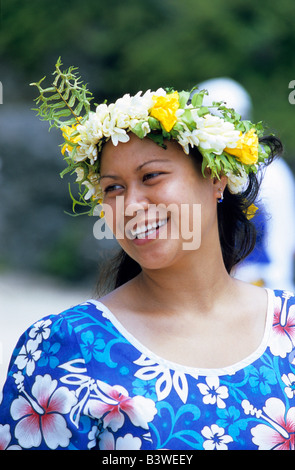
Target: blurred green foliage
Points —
{"points": [[139, 44]]}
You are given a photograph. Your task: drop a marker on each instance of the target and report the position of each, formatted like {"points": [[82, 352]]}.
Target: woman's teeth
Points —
{"points": [[146, 230]]}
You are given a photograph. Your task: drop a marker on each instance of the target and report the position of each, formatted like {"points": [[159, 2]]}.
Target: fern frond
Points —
{"points": [[63, 102]]}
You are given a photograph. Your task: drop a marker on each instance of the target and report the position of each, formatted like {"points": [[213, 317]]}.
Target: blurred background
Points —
{"points": [[49, 260]]}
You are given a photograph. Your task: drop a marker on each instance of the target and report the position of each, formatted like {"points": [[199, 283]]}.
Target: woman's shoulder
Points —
{"points": [[59, 334], [61, 324]]}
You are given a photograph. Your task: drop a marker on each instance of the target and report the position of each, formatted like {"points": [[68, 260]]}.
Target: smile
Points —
{"points": [[144, 231]]}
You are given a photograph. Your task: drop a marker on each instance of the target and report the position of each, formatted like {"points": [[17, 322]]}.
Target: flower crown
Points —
{"points": [[228, 145]]}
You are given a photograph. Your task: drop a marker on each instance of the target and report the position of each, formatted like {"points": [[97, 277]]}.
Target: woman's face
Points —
{"points": [[156, 202]]}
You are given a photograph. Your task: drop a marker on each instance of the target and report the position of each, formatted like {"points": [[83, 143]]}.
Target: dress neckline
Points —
{"points": [[195, 371]]}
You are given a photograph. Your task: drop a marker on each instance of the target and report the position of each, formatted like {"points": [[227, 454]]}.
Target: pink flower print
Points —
{"points": [[5, 438], [279, 434], [282, 338], [40, 416], [114, 401]]}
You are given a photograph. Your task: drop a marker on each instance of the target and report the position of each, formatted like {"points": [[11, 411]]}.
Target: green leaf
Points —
{"points": [[137, 130], [202, 111], [66, 92], [183, 98], [158, 139], [197, 98]]}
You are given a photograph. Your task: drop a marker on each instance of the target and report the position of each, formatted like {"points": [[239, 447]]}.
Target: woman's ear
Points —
{"points": [[219, 185]]}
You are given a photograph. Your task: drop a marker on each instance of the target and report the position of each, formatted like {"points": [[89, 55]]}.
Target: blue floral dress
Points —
{"points": [[79, 380]]}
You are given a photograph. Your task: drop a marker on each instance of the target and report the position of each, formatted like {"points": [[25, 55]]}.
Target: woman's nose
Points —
{"points": [[135, 200]]}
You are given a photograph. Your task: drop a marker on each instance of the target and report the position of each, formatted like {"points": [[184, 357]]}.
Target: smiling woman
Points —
{"points": [[173, 356]]}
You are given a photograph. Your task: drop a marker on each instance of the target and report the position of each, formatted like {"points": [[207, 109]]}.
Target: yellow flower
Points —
{"points": [[247, 148], [251, 211], [67, 132], [164, 109]]}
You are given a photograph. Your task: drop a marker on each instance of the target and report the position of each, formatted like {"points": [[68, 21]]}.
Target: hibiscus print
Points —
{"points": [[216, 439], [289, 381], [40, 417], [213, 392], [261, 379], [5, 438], [231, 418], [114, 403], [283, 332], [28, 356], [279, 432], [40, 330], [127, 442], [92, 347], [49, 355]]}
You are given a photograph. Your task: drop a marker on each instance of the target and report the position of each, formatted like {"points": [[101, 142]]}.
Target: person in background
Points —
{"points": [[271, 263]]}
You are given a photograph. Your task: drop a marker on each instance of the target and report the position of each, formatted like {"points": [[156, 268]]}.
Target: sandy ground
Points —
{"points": [[25, 299]]}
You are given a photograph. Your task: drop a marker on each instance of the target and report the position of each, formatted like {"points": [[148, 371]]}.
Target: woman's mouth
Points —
{"points": [[145, 231]]}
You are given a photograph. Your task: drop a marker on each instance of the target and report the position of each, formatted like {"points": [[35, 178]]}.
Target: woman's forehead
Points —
{"points": [[137, 153]]}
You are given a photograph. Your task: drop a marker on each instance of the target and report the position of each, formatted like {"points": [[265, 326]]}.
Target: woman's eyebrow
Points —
{"points": [[151, 161], [114, 177]]}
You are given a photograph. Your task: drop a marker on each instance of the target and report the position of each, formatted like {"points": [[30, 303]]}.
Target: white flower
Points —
{"points": [[216, 439], [91, 130], [128, 442], [237, 183], [289, 380], [94, 190], [5, 438], [188, 138], [214, 133], [119, 135], [134, 107], [85, 151], [80, 174], [40, 330], [40, 414], [278, 432], [213, 392], [145, 127], [102, 111], [115, 405], [27, 356]]}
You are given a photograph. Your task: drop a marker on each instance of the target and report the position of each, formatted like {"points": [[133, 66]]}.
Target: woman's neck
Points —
{"points": [[194, 284]]}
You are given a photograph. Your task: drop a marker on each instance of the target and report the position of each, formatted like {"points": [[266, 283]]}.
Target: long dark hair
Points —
{"points": [[236, 232]]}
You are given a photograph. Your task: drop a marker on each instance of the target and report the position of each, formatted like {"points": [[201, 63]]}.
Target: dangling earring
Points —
{"points": [[220, 199]]}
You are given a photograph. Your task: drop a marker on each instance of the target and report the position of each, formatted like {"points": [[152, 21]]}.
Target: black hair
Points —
{"points": [[237, 233]]}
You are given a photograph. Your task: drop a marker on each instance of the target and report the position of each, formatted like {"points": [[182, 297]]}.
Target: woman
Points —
{"points": [[179, 355]]}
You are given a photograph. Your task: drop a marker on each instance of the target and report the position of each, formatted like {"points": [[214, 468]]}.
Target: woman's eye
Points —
{"points": [[111, 188], [149, 176]]}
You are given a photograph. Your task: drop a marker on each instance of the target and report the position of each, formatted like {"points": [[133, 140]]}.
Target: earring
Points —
{"points": [[220, 199]]}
